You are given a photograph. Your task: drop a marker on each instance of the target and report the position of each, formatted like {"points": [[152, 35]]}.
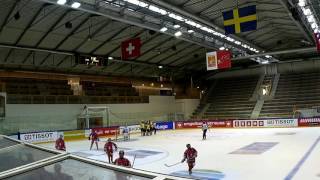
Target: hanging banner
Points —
{"points": [[212, 63], [218, 60]]}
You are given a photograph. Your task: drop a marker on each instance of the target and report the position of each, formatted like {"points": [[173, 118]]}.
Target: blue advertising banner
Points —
{"points": [[164, 125]]}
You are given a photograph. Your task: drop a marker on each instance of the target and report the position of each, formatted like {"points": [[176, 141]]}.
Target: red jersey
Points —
{"points": [[190, 155], [122, 162], [108, 147], [94, 136], [60, 144]]}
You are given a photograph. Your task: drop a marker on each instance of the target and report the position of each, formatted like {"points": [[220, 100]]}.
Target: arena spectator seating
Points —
{"points": [[37, 87], [104, 89], [43, 91], [294, 91], [230, 98]]}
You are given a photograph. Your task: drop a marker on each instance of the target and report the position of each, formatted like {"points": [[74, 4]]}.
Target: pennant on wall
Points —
{"points": [[218, 60]]}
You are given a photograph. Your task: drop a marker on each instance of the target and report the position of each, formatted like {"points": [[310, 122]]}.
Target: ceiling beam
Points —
{"points": [[26, 29], [155, 46], [46, 34], [109, 39], [75, 29], [198, 18], [5, 21], [174, 54], [285, 5], [97, 31], [287, 51], [184, 57]]}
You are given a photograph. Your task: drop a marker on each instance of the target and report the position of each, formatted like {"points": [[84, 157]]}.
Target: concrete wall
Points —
{"points": [[187, 106], [36, 117], [282, 68]]}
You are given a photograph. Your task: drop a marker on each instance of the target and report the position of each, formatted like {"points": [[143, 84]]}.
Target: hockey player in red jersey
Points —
{"points": [[60, 145], [94, 138], [190, 155], [122, 161], [108, 148]]}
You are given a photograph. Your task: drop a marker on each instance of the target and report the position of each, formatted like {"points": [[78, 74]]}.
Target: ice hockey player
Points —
{"points": [[108, 148], [204, 130], [60, 145], [125, 133], [122, 161], [190, 155], [94, 138]]}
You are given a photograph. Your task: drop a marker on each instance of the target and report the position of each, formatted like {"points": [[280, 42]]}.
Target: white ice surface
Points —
{"points": [[214, 153]]}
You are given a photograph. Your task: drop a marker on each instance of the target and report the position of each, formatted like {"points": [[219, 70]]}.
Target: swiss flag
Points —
{"points": [[224, 59], [131, 48], [317, 38]]}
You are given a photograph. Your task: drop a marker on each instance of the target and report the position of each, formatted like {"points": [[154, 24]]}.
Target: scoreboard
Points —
{"points": [[92, 60]]}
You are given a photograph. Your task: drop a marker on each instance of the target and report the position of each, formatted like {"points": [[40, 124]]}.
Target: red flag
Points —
{"points": [[317, 38], [131, 48], [224, 59]]}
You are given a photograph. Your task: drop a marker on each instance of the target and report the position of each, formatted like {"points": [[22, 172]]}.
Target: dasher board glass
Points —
{"points": [[20, 155], [6, 143], [71, 169]]}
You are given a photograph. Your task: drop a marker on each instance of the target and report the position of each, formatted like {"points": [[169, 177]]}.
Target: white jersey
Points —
{"points": [[204, 127]]}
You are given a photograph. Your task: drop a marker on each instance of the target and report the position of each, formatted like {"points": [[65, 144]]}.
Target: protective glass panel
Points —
{"points": [[6, 143], [71, 169], [16, 156]]}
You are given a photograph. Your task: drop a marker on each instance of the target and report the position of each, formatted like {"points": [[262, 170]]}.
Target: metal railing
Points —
{"points": [[65, 99]]}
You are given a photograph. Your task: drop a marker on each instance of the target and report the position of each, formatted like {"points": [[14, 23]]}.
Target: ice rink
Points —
{"points": [[237, 154]]}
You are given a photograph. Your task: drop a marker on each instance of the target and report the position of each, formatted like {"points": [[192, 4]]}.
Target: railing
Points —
{"points": [[63, 99]]}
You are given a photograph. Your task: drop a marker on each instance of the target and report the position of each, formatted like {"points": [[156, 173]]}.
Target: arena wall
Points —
{"points": [[41, 117], [282, 68]]}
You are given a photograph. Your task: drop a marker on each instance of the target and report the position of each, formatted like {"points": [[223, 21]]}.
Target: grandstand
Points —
{"points": [[230, 98]]}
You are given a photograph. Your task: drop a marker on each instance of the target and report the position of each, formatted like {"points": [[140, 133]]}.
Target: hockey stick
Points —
{"points": [[133, 160], [172, 164]]}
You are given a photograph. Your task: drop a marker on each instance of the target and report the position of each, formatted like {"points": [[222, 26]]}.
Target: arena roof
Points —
{"points": [[45, 35]]}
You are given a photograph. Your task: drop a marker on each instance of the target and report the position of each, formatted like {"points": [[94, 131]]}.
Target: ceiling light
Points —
{"points": [[160, 67], [110, 58], [311, 19], [267, 56], [61, 2], [264, 62], [164, 29], [76, 5], [190, 31], [306, 11], [158, 10], [222, 48], [161, 85], [302, 4], [178, 33], [176, 26]]}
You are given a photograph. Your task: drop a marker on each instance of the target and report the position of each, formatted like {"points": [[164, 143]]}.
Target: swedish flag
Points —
{"points": [[240, 20]]}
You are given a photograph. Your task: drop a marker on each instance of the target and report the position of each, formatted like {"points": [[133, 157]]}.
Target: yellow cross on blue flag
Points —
{"points": [[240, 20]]}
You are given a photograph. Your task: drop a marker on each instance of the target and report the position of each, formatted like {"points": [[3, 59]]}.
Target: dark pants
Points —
{"points": [[204, 136]]}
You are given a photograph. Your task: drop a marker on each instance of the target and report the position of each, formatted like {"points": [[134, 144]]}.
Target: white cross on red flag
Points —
{"points": [[317, 38], [131, 48]]}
